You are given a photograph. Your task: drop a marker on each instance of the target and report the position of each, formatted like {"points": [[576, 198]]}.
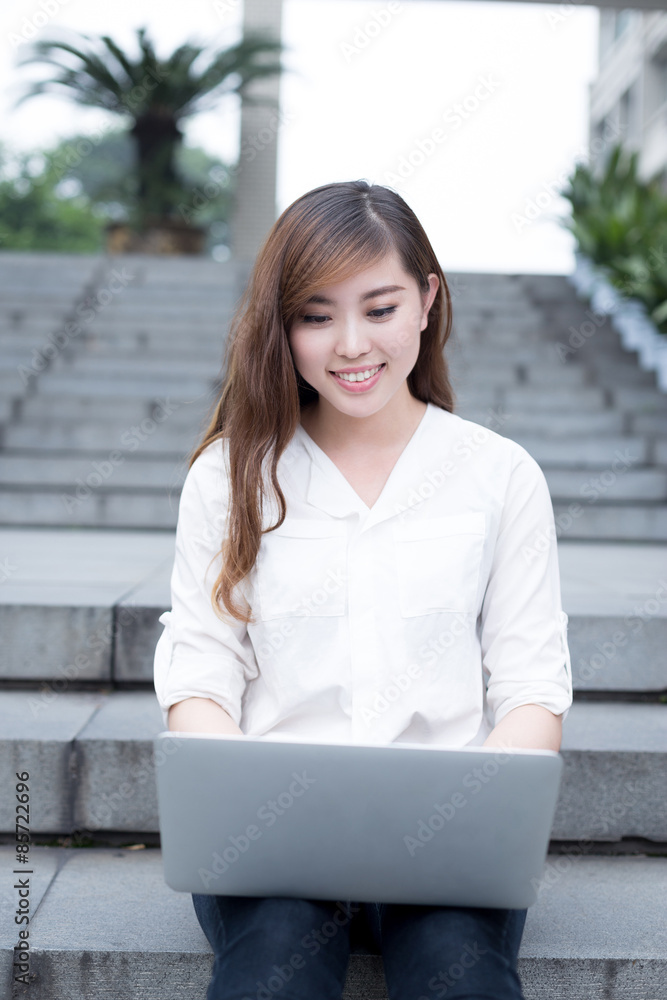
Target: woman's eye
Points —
{"points": [[315, 320]]}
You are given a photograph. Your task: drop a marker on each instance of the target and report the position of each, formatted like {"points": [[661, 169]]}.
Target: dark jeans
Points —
{"points": [[298, 949]]}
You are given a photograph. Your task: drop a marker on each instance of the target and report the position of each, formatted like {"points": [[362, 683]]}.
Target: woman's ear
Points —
{"points": [[428, 298]]}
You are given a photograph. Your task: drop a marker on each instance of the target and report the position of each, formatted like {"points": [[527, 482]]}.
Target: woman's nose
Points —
{"points": [[352, 338]]}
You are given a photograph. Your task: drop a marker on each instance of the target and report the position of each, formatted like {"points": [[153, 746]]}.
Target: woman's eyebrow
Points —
{"points": [[322, 300]]}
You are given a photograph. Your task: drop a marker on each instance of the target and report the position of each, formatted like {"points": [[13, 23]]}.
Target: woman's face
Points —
{"points": [[372, 319]]}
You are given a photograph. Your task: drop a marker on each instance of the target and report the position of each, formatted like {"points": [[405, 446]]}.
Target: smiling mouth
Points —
{"points": [[364, 376]]}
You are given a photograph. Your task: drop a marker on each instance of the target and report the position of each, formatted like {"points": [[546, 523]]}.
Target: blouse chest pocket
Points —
{"points": [[301, 569], [438, 563]]}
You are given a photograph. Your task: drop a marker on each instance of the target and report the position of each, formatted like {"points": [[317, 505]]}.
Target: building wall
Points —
{"points": [[628, 100]]}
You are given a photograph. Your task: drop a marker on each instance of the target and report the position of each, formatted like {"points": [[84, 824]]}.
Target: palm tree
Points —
{"points": [[156, 94]]}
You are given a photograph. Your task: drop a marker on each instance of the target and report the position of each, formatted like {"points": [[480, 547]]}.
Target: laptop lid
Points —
{"points": [[400, 822]]}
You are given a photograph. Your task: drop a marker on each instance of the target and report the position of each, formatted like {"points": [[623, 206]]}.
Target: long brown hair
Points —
{"points": [[325, 236]]}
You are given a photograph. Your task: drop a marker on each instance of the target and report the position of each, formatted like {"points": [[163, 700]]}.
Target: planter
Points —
{"points": [[162, 238], [628, 316]]}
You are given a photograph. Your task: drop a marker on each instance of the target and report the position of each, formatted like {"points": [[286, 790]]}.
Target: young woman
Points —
{"points": [[355, 562]]}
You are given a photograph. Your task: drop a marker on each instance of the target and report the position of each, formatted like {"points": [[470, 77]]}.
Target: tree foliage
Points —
{"points": [[156, 94], [63, 197], [620, 222]]}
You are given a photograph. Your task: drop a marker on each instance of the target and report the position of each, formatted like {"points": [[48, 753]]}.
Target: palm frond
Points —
{"points": [[129, 68]]}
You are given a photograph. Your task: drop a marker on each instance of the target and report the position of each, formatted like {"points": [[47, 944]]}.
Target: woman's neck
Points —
{"points": [[384, 431]]}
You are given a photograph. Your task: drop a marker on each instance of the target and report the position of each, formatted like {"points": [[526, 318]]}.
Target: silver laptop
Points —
{"points": [[392, 823]]}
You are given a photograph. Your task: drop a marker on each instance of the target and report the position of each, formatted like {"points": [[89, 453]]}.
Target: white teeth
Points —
{"points": [[359, 376]]}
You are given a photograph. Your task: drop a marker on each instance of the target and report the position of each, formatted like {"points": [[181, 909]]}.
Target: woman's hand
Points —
{"points": [[529, 726], [200, 715]]}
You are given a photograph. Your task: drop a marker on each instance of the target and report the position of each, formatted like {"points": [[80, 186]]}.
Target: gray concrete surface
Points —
{"points": [[110, 927]]}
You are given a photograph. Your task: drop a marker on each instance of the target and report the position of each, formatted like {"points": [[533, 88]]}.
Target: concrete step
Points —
{"points": [[610, 522], [66, 591], [545, 376], [91, 757], [640, 399], [17, 349], [610, 651], [7, 409], [109, 508], [156, 342], [127, 471], [155, 507], [556, 398], [538, 353], [44, 472], [57, 383], [622, 370], [618, 482], [512, 337], [147, 436], [105, 916], [149, 508], [524, 399], [651, 424], [586, 450], [491, 311], [469, 375], [162, 313], [31, 320], [172, 325], [554, 424], [11, 383], [43, 406], [139, 367]]}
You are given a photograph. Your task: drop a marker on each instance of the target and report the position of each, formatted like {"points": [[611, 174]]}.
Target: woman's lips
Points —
{"points": [[360, 386]]}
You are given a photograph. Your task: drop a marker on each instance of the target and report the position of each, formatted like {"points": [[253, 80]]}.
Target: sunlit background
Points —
{"points": [[474, 112]]}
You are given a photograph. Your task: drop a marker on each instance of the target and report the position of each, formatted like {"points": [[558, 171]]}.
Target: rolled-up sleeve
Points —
{"points": [[198, 654], [523, 626]]}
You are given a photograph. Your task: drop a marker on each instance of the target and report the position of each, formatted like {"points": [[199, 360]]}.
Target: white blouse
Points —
{"points": [[425, 618]]}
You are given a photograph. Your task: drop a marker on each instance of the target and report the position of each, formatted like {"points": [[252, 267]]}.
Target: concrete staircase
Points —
{"points": [[83, 585], [109, 385]]}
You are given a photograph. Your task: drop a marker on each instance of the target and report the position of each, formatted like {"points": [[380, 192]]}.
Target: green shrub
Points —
{"points": [[620, 222]]}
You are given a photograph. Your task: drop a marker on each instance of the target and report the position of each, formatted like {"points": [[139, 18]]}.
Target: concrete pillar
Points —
{"points": [[255, 207]]}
